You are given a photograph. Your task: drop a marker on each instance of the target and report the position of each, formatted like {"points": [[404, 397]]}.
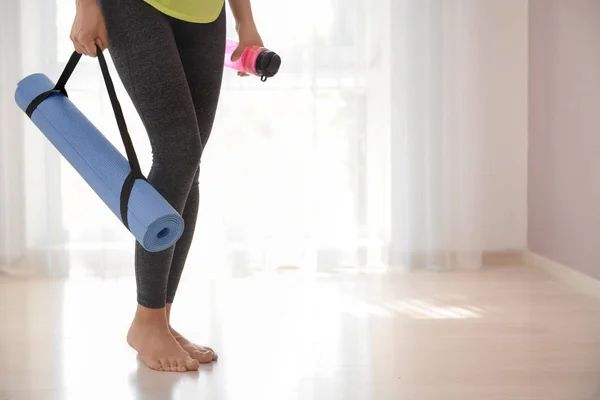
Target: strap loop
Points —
{"points": [[40, 98]]}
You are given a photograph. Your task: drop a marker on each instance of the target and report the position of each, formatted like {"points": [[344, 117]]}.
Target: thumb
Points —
{"points": [[237, 53]]}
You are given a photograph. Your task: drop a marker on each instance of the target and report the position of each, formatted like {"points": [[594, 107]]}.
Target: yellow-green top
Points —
{"points": [[199, 11]]}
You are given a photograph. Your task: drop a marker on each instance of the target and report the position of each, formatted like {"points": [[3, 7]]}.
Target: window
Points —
{"points": [[286, 160]]}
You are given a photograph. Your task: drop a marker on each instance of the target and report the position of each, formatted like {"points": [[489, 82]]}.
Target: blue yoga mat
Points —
{"points": [[151, 219]]}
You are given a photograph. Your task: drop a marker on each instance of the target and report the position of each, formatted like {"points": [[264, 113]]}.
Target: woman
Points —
{"points": [[169, 55]]}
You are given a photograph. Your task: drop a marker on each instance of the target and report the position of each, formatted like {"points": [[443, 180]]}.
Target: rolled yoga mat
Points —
{"points": [[149, 217]]}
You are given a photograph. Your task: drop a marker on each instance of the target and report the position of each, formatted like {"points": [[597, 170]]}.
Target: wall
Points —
{"points": [[564, 157], [503, 38]]}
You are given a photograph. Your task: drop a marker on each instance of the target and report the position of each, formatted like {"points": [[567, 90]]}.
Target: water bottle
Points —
{"points": [[254, 60]]}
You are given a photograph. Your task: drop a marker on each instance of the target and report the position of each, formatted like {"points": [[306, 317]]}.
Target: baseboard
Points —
{"points": [[505, 257], [574, 278]]}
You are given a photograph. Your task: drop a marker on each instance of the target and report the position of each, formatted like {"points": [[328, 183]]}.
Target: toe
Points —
{"points": [[155, 365], [204, 357], [205, 349], [191, 364], [181, 365], [166, 366], [174, 364], [214, 353]]}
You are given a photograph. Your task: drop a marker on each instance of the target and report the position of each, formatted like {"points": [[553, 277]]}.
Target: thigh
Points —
{"points": [[143, 49], [202, 52]]}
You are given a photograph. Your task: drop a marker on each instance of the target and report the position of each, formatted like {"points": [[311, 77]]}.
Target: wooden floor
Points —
{"points": [[507, 333]]}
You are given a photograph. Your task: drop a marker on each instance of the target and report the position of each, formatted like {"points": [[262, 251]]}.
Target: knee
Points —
{"points": [[181, 154], [191, 153], [196, 179]]}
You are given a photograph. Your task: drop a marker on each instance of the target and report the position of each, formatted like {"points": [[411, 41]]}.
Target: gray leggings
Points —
{"points": [[172, 71]]}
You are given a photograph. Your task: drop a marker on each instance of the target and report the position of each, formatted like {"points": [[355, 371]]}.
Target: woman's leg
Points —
{"points": [[145, 54], [182, 247], [202, 51]]}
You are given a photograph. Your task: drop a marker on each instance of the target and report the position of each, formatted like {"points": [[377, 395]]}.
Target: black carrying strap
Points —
{"points": [[59, 88]]}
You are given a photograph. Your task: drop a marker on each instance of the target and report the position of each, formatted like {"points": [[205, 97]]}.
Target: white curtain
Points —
{"points": [[459, 128], [369, 150], [438, 188]]}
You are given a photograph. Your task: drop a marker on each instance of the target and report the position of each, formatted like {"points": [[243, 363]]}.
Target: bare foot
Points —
{"points": [[203, 354], [150, 336]]}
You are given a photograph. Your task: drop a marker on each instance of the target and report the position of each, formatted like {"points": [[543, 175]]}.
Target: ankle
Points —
{"points": [[168, 311], [150, 316]]}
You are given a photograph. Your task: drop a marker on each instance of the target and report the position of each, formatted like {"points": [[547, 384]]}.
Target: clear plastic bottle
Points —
{"points": [[254, 60]]}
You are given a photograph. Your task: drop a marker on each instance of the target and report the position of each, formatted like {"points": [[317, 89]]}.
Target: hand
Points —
{"points": [[88, 28], [248, 36]]}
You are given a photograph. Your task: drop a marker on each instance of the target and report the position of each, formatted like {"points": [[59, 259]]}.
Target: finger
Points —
{"points": [[237, 53], [81, 46], [78, 48], [90, 48], [103, 37], [82, 49], [102, 43], [76, 45]]}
